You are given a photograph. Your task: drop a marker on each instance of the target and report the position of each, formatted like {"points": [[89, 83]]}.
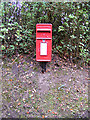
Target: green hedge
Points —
{"points": [[69, 21]]}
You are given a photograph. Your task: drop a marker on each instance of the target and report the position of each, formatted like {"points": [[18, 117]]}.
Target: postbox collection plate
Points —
{"points": [[43, 42], [43, 48]]}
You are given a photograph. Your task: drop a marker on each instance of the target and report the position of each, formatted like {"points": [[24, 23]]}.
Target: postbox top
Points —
{"points": [[44, 23], [43, 26]]}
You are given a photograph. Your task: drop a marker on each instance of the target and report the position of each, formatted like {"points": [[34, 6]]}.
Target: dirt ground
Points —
{"points": [[60, 92]]}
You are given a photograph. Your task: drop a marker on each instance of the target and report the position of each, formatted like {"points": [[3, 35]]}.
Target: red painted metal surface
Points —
{"points": [[43, 35]]}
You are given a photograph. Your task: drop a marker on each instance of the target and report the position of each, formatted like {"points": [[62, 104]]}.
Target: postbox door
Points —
{"points": [[43, 50]]}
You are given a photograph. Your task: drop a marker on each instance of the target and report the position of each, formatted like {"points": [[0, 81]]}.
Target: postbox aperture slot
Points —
{"points": [[43, 31]]}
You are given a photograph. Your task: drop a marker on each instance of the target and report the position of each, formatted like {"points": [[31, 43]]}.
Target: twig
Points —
{"points": [[15, 59]]}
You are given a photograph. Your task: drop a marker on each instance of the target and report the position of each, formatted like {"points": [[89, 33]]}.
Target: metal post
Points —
{"points": [[43, 66]]}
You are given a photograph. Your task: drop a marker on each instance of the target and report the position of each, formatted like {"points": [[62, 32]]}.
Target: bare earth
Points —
{"points": [[60, 92]]}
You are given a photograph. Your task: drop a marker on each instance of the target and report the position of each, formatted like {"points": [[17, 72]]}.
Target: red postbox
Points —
{"points": [[43, 42]]}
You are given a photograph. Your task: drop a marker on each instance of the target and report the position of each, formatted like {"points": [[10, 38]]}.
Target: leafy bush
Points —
{"points": [[69, 21]]}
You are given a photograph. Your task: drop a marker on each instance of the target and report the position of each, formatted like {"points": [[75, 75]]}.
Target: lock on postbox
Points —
{"points": [[43, 42]]}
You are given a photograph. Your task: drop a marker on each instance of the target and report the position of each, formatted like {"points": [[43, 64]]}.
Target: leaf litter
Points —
{"points": [[60, 92]]}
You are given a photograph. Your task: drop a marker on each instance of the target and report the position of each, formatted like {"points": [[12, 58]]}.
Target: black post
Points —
{"points": [[43, 66]]}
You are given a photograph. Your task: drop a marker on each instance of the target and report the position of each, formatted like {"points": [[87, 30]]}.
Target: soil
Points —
{"points": [[60, 92]]}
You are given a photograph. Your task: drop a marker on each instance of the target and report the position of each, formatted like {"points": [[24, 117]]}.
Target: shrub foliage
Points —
{"points": [[69, 21]]}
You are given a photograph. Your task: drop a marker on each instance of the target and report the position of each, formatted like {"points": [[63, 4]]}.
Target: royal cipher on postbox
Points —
{"points": [[43, 42]]}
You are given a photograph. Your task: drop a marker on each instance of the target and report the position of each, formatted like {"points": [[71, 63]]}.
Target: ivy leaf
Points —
{"points": [[9, 24], [4, 30], [81, 44], [65, 23], [2, 25], [29, 14], [12, 46], [21, 44], [71, 16], [2, 47], [18, 32], [1, 36], [61, 28], [15, 23], [72, 36]]}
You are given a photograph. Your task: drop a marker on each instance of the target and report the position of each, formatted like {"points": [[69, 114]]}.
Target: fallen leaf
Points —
{"points": [[81, 68], [63, 67], [20, 86], [23, 99], [39, 99], [19, 104], [33, 101], [27, 112], [53, 112], [71, 109], [11, 4], [31, 75], [64, 57], [61, 104], [54, 60], [31, 95], [76, 98], [43, 116], [49, 110], [80, 92], [34, 90], [8, 69], [70, 80], [21, 56], [10, 79], [12, 59], [48, 70], [77, 90], [30, 82], [37, 108], [18, 66]]}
